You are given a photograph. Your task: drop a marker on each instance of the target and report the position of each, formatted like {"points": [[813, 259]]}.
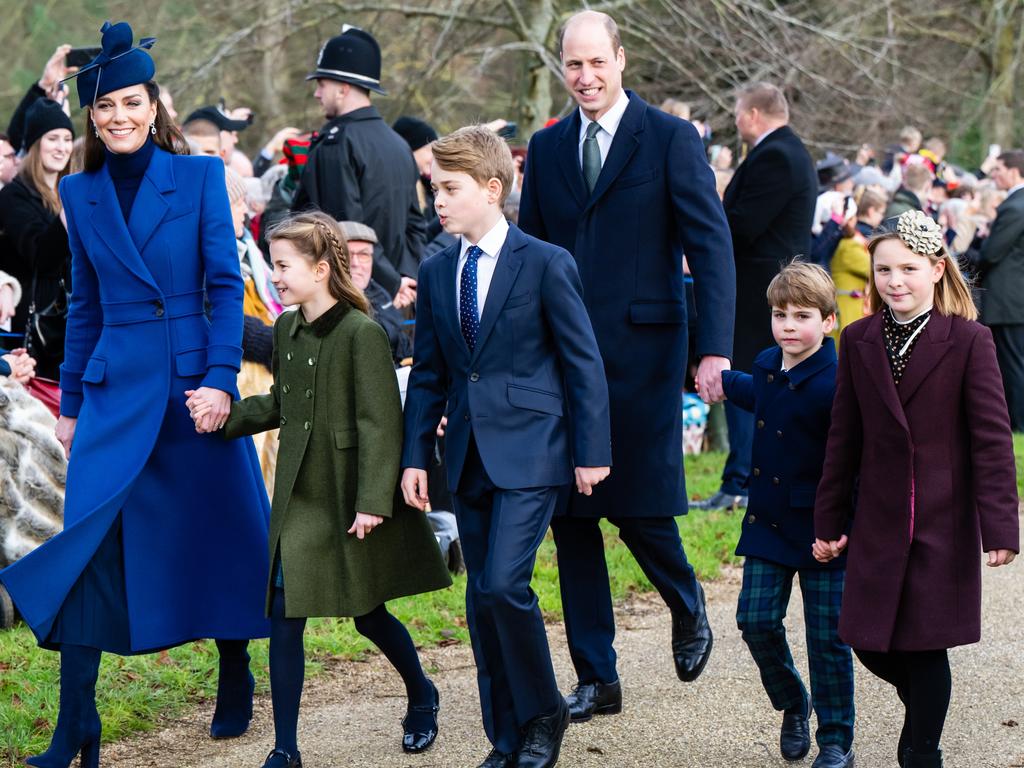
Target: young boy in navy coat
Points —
{"points": [[790, 393], [505, 350]]}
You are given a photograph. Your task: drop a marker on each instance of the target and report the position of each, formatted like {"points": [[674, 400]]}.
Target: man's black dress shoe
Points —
{"points": [[417, 740], [589, 699], [691, 642], [278, 758], [833, 756], [720, 501], [542, 739], [795, 736], [496, 759]]}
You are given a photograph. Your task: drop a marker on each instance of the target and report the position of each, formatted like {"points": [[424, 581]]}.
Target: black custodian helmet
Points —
{"points": [[351, 57]]}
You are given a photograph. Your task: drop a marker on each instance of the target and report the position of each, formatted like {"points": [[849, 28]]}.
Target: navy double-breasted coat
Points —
{"points": [[193, 509]]}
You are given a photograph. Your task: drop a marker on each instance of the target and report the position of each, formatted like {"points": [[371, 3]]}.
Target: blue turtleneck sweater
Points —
{"points": [[127, 172]]}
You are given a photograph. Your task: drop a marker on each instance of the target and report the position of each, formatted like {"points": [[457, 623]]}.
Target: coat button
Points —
{"points": [[284, 420], [466, 417], [760, 423], [792, 385], [286, 389], [778, 433], [312, 361], [751, 519], [474, 376], [159, 308], [757, 471], [770, 378], [309, 394], [775, 481], [306, 426], [288, 356]]}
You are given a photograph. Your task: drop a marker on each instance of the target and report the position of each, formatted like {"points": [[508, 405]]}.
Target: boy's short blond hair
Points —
{"points": [[803, 285], [479, 152]]}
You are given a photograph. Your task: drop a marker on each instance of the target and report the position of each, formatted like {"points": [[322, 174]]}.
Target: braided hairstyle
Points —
{"points": [[317, 236]]}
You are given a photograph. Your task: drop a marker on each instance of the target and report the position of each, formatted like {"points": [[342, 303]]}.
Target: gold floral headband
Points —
{"points": [[920, 233]]}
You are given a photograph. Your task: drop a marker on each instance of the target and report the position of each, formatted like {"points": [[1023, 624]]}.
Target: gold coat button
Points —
{"points": [[760, 423], [312, 360], [286, 389], [751, 519], [771, 377], [306, 426], [309, 394], [757, 472], [288, 356]]}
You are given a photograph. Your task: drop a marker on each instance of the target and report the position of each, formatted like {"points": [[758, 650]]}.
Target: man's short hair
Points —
{"points": [[766, 98], [869, 199], [480, 152], [201, 128], [609, 26], [680, 109], [803, 285], [917, 176], [1013, 158]]}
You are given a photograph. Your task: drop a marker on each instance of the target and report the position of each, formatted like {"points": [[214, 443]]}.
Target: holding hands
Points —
{"points": [[824, 551], [209, 408], [23, 365]]}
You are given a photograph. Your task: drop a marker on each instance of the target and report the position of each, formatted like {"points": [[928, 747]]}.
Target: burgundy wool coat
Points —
{"points": [[937, 484]]}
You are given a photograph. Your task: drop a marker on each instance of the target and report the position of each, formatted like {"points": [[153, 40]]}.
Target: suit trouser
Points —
{"points": [[736, 473], [586, 592], [500, 531], [1009, 340], [763, 601]]}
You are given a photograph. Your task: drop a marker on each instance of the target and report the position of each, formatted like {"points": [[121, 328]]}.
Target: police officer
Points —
{"points": [[359, 169]]}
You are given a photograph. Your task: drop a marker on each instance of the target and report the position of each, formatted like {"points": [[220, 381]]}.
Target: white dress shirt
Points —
{"points": [[765, 135], [1017, 188], [609, 123], [491, 245]]}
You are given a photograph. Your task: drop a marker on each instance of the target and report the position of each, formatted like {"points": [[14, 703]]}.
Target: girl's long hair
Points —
{"points": [[33, 174], [319, 238], [167, 137], [952, 292]]}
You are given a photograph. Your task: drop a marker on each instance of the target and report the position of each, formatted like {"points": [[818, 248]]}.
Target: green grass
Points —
{"points": [[136, 694]]}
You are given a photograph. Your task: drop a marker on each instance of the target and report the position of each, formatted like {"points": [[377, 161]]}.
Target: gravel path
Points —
{"points": [[351, 714]]}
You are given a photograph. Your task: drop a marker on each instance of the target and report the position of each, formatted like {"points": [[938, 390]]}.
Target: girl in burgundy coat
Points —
{"points": [[920, 418]]}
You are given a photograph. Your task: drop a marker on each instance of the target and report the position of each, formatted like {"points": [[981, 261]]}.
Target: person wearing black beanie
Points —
{"points": [[43, 116], [420, 136]]}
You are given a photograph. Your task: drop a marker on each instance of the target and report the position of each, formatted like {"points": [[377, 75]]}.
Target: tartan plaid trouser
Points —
{"points": [[763, 601]]}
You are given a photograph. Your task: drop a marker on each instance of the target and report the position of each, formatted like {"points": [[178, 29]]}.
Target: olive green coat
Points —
{"points": [[335, 398]]}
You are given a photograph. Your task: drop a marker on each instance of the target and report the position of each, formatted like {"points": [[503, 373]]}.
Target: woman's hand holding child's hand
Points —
{"points": [[209, 408], [365, 523], [824, 551], [999, 557]]}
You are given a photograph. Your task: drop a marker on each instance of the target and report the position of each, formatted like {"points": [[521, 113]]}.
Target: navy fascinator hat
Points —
{"points": [[117, 66]]}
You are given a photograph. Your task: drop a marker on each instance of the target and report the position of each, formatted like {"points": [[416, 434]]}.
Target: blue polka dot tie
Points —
{"points": [[469, 316]]}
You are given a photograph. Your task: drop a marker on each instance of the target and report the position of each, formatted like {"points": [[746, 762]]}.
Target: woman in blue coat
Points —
{"points": [[165, 537]]}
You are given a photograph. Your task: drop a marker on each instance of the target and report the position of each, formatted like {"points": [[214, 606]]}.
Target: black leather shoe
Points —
{"points": [[496, 759], [589, 699], [832, 756], [278, 758], [419, 740], [691, 642], [542, 739], [720, 501], [795, 736]]}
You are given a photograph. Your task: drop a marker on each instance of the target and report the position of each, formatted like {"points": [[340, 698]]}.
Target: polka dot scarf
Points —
{"points": [[900, 339]]}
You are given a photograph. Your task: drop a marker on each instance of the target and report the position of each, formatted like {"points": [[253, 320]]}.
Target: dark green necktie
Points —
{"points": [[591, 157]]}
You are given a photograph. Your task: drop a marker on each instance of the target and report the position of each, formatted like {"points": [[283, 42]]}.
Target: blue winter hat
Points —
{"points": [[118, 64]]}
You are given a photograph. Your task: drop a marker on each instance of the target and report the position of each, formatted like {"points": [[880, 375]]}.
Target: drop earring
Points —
{"points": [[96, 130], [152, 127]]}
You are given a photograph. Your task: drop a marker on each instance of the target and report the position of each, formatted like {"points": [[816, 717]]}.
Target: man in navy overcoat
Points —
{"points": [[626, 189]]}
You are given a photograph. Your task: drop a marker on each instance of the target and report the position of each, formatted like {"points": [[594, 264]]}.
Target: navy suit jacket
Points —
{"points": [[532, 393], [655, 199], [793, 411]]}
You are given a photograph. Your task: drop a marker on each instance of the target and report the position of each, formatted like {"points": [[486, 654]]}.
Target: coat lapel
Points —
{"points": [[150, 205], [569, 160], [448, 306], [110, 226], [931, 347], [504, 277], [876, 362], [624, 144]]}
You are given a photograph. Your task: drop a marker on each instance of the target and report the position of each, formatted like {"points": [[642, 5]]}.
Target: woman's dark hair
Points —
{"points": [[167, 137]]}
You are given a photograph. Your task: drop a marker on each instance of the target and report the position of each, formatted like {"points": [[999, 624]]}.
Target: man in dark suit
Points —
{"points": [[770, 206], [505, 349], [626, 189], [1001, 268]]}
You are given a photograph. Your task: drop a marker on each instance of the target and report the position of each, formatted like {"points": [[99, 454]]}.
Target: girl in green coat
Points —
{"points": [[341, 541]]}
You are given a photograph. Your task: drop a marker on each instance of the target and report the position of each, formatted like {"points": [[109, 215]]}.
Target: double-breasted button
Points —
{"points": [[757, 471], [312, 361], [760, 423], [286, 389], [288, 356], [778, 433], [775, 481], [474, 376], [751, 519], [770, 378], [284, 420], [309, 394], [159, 312], [306, 426]]}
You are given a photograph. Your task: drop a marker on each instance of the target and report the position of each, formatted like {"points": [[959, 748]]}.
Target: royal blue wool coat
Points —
{"points": [[194, 511], [655, 199], [793, 411]]}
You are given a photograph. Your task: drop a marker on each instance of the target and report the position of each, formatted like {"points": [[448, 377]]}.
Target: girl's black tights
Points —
{"points": [[922, 681], [287, 665]]}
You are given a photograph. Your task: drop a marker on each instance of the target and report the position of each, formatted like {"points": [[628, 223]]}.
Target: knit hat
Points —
{"points": [[117, 66], [355, 230], [42, 117], [416, 132], [235, 185]]}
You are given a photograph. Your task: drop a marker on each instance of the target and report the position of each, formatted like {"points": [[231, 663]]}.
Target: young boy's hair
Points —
{"points": [[479, 152], [803, 285]]}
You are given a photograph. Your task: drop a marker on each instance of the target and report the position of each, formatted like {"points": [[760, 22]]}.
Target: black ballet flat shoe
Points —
{"points": [[415, 740], [278, 758]]}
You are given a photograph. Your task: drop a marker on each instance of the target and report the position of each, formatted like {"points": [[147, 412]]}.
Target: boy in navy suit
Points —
{"points": [[505, 351], [790, 394]]}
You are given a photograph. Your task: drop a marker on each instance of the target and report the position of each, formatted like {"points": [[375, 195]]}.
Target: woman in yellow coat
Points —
{"points": [[851, 263]]}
